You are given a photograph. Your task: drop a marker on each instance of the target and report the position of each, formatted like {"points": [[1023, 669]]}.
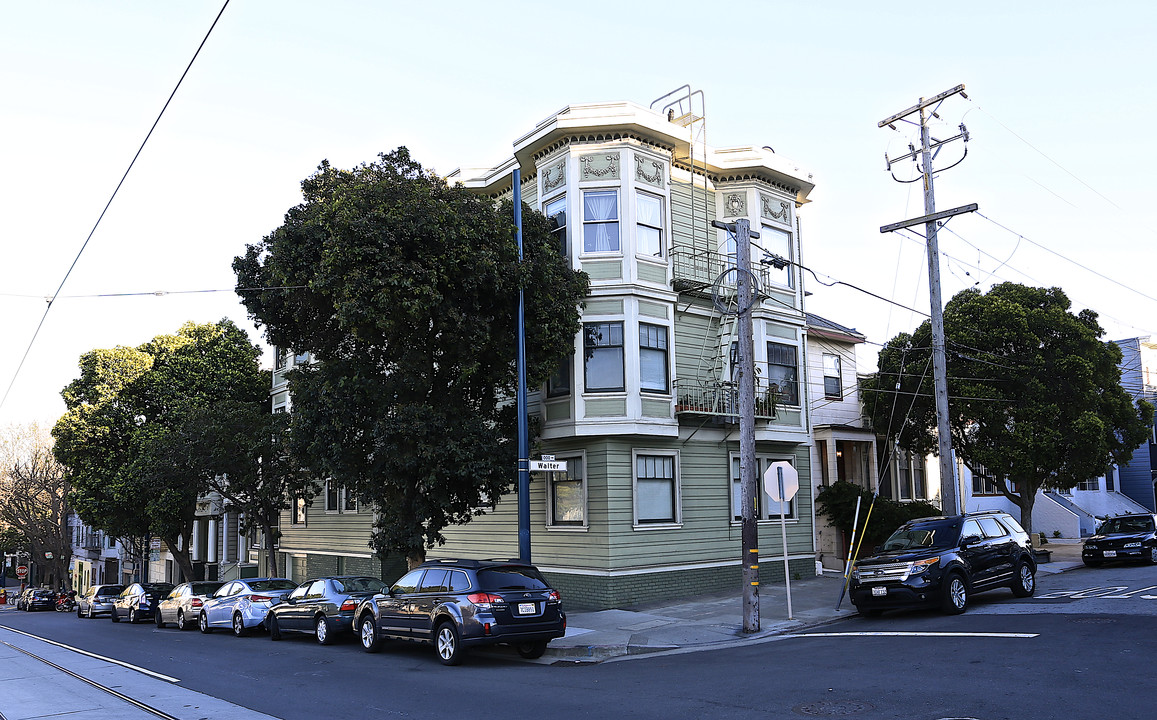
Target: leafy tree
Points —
{"points": [[405, 289], [238, 450], [837, 502], [1034, 393], [34, 499], [122, 411]]}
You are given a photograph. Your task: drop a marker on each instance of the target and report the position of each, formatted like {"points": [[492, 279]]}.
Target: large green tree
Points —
{"points": [[405, 289], [123, 410], [1034, 392]]}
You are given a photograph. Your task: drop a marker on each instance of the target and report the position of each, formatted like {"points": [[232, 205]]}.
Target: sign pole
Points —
{"points": [[783, 535]]}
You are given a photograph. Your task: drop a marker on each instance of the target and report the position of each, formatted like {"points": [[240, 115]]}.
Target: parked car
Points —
{"points": [[456, 604], [21, 598], [183, 604], [324, 606], [139, 601], [97, 600], [242, 604], [942, 561], [38, 599], [1125, 537]]}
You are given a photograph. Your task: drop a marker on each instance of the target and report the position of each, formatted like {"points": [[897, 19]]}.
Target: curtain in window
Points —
{"points": [[601, 213], [649, 216], [653, 357]]}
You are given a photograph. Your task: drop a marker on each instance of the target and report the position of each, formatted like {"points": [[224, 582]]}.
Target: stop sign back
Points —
{"points": [[790, 481]]}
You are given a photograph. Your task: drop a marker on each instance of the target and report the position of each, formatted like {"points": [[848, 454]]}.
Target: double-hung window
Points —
{"points": [[649, 224], [778, 242], [555, 211], [833, 387], [783, 372], [653, 358], [601, 221], [568, 501], [558, 384], [603, 349], [765, 507], [656, 490]]}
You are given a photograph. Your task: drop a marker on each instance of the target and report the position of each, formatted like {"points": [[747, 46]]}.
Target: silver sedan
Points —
{"points": [[97, 600], [242, 604], [183, 605]]}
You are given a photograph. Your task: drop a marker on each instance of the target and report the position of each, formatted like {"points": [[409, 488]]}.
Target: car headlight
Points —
{"points": [[856, 573], [922, 566]]}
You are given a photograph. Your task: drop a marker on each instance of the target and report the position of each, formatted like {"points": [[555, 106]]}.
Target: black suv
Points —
{"points": [[941, 561], [455, 604]]}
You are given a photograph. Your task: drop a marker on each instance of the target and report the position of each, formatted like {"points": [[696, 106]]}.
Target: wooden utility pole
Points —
{"points": [[746, 293], [931, 221]]}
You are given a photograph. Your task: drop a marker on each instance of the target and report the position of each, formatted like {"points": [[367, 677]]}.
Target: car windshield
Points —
{"points": [[511, 578], [1128, 525], [359, 584], [272, 585], [157, 587], [110, 590], [204, 588], [936, 535]]}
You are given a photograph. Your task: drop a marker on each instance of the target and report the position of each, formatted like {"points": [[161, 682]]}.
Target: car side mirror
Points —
{"points": [[970, 540]]}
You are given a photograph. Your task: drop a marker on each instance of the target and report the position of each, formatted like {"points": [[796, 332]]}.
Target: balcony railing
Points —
{"points": [[695, 271], [721, 399]]}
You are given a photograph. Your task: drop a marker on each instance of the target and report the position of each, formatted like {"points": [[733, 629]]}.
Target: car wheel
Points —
{"points": [[239, 629], [531, 650], [113, 615], [368, 634], [203, 623], [447, 645], [1153, 555], [1092, 563], [1024, 582], [274, 628], [324, 636], [954, 598], [133, 616], [181, 620], [157, 618], [78, 613]]}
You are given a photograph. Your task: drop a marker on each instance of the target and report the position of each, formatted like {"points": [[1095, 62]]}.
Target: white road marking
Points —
{"points": [[920, 634], [114, 661]]}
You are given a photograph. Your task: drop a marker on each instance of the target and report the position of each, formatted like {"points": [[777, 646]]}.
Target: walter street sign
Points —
{"points": [[548, 465]]}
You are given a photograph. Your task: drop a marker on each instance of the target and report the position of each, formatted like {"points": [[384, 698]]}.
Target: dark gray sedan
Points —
{"points": [[139, 601], [323, 606]]}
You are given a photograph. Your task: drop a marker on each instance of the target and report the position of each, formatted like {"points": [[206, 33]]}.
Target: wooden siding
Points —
{"points": [[690, 225], [603, 269]]}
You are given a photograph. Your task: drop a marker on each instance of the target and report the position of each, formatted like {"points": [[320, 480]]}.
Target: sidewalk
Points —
{"points": [[709, 621]]}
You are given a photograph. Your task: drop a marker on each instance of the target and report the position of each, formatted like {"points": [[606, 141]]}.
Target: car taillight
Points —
{"points": [[349, 605], [485, 600], [195, 602], [553, 596], [260, 598]]}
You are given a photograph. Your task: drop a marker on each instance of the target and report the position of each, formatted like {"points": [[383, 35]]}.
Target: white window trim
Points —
{"points": [[771, 510], [570, 527], [792, 282], [678, 523], [341, 501], [647, 392], [664, 233]]}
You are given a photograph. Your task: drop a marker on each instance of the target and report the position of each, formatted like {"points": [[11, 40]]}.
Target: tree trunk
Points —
{"points": [[270, 551], [184, 557], [415, 557], [1026, 502]]}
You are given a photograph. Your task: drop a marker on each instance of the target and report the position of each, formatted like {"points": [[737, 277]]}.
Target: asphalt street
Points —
{"points": [[1082, 648]]}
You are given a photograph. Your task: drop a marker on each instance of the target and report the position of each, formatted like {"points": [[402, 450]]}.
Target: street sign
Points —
{"points": [[21, 571], [548, 465], [155, 544], [771, 484]]}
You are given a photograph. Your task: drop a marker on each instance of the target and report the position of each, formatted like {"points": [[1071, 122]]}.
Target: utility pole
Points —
{"points": [[749, 529], [929, 147], [521, 392]]}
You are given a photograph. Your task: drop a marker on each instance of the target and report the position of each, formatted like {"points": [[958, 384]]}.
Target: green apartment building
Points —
{"points": [[644, 415]]}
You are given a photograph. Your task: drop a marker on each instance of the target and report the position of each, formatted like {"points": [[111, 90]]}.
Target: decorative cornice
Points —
{"points": [[765, 205], [655, 178], [588, 138], [599, 166], [553, 176]]}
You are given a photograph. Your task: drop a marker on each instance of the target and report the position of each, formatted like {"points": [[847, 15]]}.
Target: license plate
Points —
{"points": [[879, 591], [526, 608], [1110, 553]]}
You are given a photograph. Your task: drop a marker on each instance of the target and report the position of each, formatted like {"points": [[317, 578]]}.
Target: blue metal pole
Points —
{"points": [[523, 430]]}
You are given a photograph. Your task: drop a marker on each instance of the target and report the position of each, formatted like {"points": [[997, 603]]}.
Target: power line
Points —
{"points": [[75, 260], [157, 293]]}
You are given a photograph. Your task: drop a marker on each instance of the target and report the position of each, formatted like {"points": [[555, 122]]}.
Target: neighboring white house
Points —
{"points": [[96, 557]]}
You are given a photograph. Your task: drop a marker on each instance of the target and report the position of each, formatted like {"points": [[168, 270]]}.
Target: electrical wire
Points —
{"points": [[75, 260]]}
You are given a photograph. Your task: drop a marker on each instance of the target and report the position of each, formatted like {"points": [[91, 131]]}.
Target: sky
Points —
{"points": [[1060, 159]]}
